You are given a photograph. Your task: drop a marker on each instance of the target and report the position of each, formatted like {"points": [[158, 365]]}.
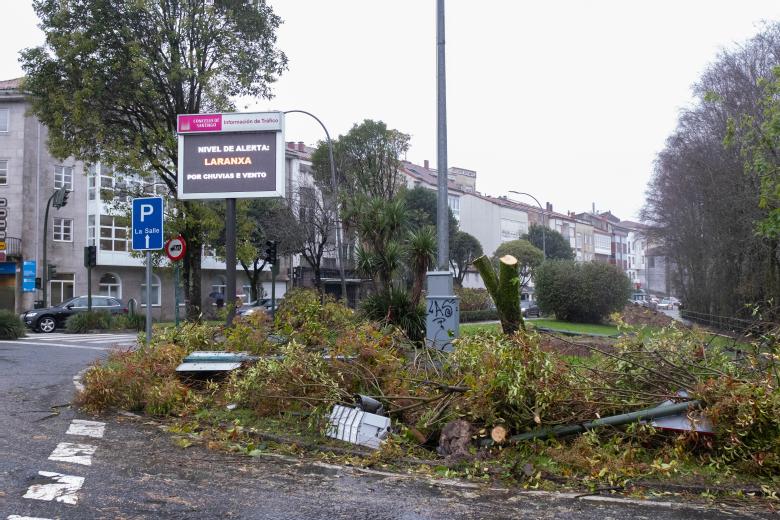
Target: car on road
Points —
{"points": [[529, 309], [263, 304], [49, 319]]}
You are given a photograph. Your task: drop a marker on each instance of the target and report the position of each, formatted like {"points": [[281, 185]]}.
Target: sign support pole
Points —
{"points": [[89, 288], [230, 259], [274, 274], [176, 293], [148, 297]]}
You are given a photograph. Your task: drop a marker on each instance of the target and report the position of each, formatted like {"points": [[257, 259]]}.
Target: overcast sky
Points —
{"points": [[568, 100]]}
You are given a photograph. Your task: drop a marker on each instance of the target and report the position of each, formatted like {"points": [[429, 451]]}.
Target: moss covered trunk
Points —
{"points": [[504, 288]]}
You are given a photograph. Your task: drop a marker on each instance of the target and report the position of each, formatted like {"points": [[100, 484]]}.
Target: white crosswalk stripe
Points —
{"points": [[86, 428], [73, 453], [86, 341], [60, 488]]}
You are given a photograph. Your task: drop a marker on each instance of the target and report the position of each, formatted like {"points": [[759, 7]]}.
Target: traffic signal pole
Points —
{"points": [[61, 195]]}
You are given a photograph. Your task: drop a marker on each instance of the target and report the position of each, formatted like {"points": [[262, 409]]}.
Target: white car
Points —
{"points": [[669, 303]]}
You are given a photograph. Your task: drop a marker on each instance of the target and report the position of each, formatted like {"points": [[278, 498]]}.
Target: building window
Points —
{"points": [[156, 297], [90, 230], [63, 177], [4, 116], [3, 171], [219, 286], [453, 201], [63, 229], [651, 262], [92, 182], [110, 285], [61, 287], [113, 236]]}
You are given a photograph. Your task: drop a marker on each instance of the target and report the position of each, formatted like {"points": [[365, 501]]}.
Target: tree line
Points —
{"points": [[712, 202]]}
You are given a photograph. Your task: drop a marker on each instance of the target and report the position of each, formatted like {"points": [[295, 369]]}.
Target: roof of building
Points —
{"points": [[426, 175], [11, 84]]}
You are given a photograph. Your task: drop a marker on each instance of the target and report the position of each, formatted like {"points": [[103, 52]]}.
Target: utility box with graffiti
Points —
{"points": [[442, 311]]}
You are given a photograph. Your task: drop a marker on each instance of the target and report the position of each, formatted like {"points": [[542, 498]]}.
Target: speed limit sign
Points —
{"points": [[175, 248]]}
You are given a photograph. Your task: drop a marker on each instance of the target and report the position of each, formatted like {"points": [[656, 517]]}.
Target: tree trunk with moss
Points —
{"points": [[504, 288]]}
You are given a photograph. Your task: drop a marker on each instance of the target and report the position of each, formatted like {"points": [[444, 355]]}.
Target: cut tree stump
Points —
{"points": [[504, 288], [498, 434], [455, 439]]}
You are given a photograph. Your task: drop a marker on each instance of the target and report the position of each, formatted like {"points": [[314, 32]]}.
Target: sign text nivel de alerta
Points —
{"points": [[234, 155]]}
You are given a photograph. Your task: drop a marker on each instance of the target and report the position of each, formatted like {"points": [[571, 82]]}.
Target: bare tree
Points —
{"points": [[316, 228]]}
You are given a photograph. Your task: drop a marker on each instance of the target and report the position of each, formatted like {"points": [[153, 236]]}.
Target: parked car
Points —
{"points": [[643, 299], [263, 304], [669, 303], [47, 320], [529, 309]]}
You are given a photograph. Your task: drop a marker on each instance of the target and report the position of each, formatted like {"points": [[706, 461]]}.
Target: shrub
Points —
{"points": [[135, 322], [395, 307], [474, 299], [86, 321], [11, 327], [585, 293], [303, 316], [483, 315]]}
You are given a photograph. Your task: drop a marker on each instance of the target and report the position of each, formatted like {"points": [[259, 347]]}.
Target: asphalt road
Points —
{"points": [[129, 469]]}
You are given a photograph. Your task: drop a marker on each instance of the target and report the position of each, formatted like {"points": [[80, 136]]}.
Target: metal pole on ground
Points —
{"points": [[148, 297], [230, 259]]}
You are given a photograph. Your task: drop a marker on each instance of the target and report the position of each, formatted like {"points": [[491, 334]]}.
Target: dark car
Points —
{"points": [[47, 320], [529, 309]]}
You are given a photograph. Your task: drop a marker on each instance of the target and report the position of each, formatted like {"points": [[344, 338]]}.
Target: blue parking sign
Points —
{"points": [[147, 223]]}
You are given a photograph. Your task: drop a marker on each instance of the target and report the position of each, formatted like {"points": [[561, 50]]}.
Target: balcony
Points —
{"points": [[13, 247]]}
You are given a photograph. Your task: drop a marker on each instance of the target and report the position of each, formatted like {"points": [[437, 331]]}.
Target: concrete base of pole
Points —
{"points": [[442, 320]]}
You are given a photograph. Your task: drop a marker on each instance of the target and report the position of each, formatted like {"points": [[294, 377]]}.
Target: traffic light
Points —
{"points": [[90, 256], [270, 251], [60, 197], [51, 271]]}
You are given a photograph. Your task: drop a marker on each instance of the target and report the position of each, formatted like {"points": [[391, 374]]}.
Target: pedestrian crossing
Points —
{"points": [[99, 341]]}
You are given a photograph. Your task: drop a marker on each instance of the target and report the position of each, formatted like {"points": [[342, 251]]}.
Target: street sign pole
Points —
{"points": [[274, 274], [148, 220], [148, 297], [176, 293], [230, 259]]}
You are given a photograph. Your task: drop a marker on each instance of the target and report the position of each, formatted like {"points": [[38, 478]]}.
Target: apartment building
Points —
{"points": [[92, 216]]}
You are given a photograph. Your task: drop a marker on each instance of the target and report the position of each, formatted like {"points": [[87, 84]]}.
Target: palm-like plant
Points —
{"points": [[421, 247]]}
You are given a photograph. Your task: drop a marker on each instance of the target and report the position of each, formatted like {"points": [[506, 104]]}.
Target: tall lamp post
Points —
{"points": [[334, 186], [544, 239]]}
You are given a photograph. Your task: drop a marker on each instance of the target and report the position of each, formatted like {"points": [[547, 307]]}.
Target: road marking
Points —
{"points": [[87, 428], [17, 517], [62, 488], [74, 453], [53, 345]]}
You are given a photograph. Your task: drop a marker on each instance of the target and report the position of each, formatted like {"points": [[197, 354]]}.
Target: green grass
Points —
{"points": [[587, 328]]}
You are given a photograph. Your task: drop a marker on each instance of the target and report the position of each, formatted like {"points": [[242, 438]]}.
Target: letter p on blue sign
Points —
{"points": [[147, 224]]}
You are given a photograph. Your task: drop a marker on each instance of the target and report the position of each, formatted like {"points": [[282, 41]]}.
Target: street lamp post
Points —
{"points": [[334, 186], [544, 239]]}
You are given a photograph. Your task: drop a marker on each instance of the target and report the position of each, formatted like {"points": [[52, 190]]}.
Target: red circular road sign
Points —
{"points": [[175, 248]]}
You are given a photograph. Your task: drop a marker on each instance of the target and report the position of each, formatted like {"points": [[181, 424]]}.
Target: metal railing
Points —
{"points": [[722, 323]]}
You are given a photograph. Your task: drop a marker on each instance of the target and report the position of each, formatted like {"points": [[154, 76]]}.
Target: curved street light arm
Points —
{"points": [[544, 240], [334, 186]]}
